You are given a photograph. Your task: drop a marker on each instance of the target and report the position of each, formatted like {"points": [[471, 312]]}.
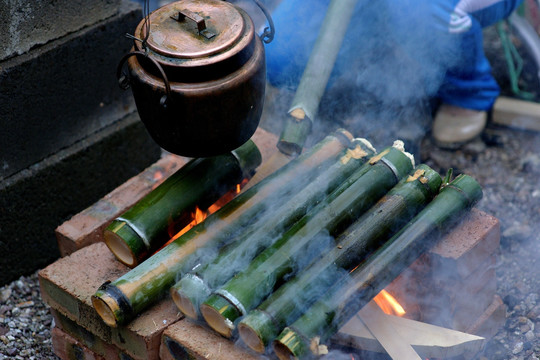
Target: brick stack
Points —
{"points": [[161, 333]]}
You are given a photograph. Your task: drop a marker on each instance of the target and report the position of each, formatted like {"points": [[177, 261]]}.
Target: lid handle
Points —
{"points": [[197, 19]]}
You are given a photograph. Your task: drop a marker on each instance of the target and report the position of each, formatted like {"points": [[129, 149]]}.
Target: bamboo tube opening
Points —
{"points": [[184, 304], [120, 248], [217, 321], [251, 338], [104, 309], [283, 352]]}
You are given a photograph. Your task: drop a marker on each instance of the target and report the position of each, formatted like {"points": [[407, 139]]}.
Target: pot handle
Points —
{"points": [[268, 33], [123, 79]]}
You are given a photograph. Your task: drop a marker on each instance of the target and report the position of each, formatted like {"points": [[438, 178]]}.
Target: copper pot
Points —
{"points": [[197, 76]]}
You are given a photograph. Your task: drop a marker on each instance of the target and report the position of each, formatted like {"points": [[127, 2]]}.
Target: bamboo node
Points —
{"points": [[378, 157], [356, 153], [418, 174]]}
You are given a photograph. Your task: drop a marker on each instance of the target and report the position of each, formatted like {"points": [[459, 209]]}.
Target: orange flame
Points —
{"points": [[199, 215], [388, 304]]}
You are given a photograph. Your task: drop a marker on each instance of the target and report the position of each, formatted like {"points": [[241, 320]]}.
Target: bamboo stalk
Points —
{"points": [[148, 225], [285, 305], [196, 286], [315, 77], [306, 239], [119, 301], [347, 297]]}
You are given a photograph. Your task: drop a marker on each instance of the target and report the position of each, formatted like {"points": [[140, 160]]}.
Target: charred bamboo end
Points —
{"points": [[124, 243], [249, 157], [188, 294], [257, 330], [220, 314], [290, 345], [111, 305], [294, 135], [105, 310]]}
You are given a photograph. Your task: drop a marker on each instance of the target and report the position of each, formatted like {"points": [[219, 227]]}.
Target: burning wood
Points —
{"points": [[144, 228], [119, 301], [195, 287], [402, 338], [323, 319], [369, 232], [308, 238]]}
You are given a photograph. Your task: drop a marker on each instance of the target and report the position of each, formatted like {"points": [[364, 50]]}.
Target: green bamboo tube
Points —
{"points": [[405, 200], [146, 227], [119, 301], [308, 237], [307, 98], [348, 296], [196, 286]]}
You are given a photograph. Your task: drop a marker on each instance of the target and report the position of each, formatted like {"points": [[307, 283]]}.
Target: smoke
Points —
{"points": [[391, 64]]}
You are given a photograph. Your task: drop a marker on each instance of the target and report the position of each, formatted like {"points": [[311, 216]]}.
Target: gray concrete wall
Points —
{"points": [[37, 200], [63, 91], [27, 23]]}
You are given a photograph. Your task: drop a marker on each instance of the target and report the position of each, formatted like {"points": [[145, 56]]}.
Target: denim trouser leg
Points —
{"points": [[452, 67], [470, 84]]}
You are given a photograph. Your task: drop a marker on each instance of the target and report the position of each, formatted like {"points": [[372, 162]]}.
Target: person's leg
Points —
{"points": [[469, 89]]}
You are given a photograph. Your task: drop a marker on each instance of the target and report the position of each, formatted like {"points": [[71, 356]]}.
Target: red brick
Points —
{"points": [[187, 340], [87, 227], [491, 320], [68, 348], [68, 284], [433, 286], [85, 337], [468, 244]]}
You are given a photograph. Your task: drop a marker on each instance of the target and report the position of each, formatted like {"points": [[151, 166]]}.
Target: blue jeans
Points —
{"points": [[399, 50]]}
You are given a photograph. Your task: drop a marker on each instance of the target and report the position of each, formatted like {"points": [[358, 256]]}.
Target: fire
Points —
{"points": [[199, 215], [388, 304]]}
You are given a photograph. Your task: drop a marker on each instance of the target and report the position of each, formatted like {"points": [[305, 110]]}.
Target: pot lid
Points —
{"points": [[196, 29]]}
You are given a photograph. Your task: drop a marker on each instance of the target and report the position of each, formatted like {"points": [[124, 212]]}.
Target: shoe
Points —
{"points": [[454, 126]]}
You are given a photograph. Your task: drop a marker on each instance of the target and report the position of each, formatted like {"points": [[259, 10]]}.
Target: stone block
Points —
{"points": [[63, 91], [30, 23], [87, 227], [69, 292], [34, 202]]}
